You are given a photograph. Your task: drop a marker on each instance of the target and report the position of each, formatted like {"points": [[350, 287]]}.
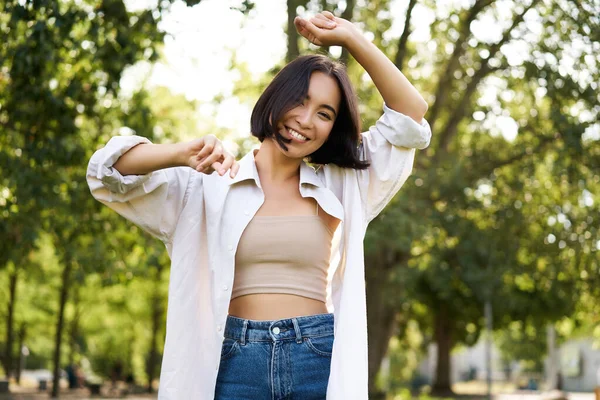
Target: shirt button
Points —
{"points": [[224, 287], [276, 330], [230, 247], [247, 212], [219, 328]]}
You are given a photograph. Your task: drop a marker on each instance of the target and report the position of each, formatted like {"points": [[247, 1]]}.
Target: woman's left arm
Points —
{"points": [[397, 92], [390, 144]]}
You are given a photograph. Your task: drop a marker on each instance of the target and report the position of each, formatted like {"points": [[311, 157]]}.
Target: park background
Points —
{"points": [[493, 239]]}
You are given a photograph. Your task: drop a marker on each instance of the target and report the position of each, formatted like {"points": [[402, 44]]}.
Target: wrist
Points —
{"points": [[181, 153], [355, 41]]}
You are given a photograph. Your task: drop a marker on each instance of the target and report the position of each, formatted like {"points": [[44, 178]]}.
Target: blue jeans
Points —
{"points": [[274, 360]]}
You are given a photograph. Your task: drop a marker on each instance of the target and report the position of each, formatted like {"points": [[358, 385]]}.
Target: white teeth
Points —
{"points": [[297, 135]]}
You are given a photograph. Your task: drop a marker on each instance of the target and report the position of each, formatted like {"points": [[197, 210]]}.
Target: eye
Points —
{"points": [[325, 115]]}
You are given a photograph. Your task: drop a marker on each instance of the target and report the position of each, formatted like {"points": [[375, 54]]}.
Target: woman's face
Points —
{"points": [[308, 125]]}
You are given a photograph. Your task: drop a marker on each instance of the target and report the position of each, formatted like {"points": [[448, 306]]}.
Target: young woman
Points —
{"points": [[267, 254]]}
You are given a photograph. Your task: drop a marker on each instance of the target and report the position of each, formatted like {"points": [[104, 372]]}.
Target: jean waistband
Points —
{"points": [[279, 329]]}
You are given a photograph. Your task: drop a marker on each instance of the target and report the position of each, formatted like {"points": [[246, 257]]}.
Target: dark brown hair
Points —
{"points": [[289, 88]]}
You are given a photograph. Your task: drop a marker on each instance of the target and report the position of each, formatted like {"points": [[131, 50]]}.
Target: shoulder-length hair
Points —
{"points": [[289, 88]]}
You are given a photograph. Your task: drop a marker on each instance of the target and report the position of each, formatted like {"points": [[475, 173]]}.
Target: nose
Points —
{"points": [[304, 118]]}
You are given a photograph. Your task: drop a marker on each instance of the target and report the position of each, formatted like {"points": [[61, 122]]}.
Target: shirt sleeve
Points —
{"points": [[153, 201], [389, 146]]}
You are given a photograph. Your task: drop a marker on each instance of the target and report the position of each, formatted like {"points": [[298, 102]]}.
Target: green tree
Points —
{"points": [[59, 60]]}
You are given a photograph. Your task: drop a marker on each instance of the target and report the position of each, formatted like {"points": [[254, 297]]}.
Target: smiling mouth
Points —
{"points": [[297, 136]]}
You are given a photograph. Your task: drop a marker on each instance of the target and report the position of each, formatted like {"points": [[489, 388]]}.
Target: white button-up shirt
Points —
{"points": [[200, 218]]}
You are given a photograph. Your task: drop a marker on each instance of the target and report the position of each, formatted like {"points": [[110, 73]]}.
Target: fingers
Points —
{"points": [[215, 156], [321, 21], [328, 15], [299, 23], [226, 164], [217, 166], [308, 30], [208, 147], [234, 169]]}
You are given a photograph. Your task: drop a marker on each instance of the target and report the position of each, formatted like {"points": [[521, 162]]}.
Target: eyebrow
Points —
{"points": [[327, 106]]}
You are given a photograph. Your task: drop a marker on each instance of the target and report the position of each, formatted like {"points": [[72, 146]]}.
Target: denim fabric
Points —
{"points": [[274, 360]]}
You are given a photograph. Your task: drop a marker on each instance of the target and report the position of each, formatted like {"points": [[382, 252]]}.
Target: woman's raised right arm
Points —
{"points": [[149, 184]]}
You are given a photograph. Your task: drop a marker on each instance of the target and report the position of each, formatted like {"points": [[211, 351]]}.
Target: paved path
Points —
{"points": [[527, 395]]}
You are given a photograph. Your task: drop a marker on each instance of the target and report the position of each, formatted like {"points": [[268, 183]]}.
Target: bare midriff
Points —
{"points": [[282, 200], [271, 306]]}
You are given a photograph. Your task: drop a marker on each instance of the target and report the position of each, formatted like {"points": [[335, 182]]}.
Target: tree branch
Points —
{"points": [[448, 133], [445, 82], [544, 142], [401, 54], [462, 109], [485, 169]]}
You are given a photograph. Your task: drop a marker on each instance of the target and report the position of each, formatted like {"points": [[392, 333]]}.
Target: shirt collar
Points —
{"points": [[309, 175], [248, 171]]}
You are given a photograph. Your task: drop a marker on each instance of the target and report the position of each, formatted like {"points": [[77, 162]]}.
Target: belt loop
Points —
{"points": [[243, 338], [297, 329]]}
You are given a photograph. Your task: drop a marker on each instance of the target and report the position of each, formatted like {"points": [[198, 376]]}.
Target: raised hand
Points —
{"points": [[325, 29], [207, 155]]}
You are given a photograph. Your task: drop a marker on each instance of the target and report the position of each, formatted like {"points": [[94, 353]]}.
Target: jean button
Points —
{"points": [[276, 330]]}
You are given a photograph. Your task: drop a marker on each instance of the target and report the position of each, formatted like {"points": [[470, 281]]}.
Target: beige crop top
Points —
{"points": [[283, 254]]}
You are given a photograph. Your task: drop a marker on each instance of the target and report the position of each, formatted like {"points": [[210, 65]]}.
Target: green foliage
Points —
{"points": [[484, 217], [486, 202], [60, 68]]}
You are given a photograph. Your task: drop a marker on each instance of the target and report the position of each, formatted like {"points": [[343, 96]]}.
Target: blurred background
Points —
{"points": [[483, 274]]}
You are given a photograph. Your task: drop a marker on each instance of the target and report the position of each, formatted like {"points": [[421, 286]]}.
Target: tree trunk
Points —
{"points": [[381, 313], [64, 293], [401, 53], [381, 325], [292, 34], [443, 338], [153, 356], [347, 15], [157, 313], [22, 333], [74, 328], [8, 351]]}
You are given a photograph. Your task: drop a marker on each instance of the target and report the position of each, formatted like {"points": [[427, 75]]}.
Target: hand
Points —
{"points": [[207, 155], [325, 29]]}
